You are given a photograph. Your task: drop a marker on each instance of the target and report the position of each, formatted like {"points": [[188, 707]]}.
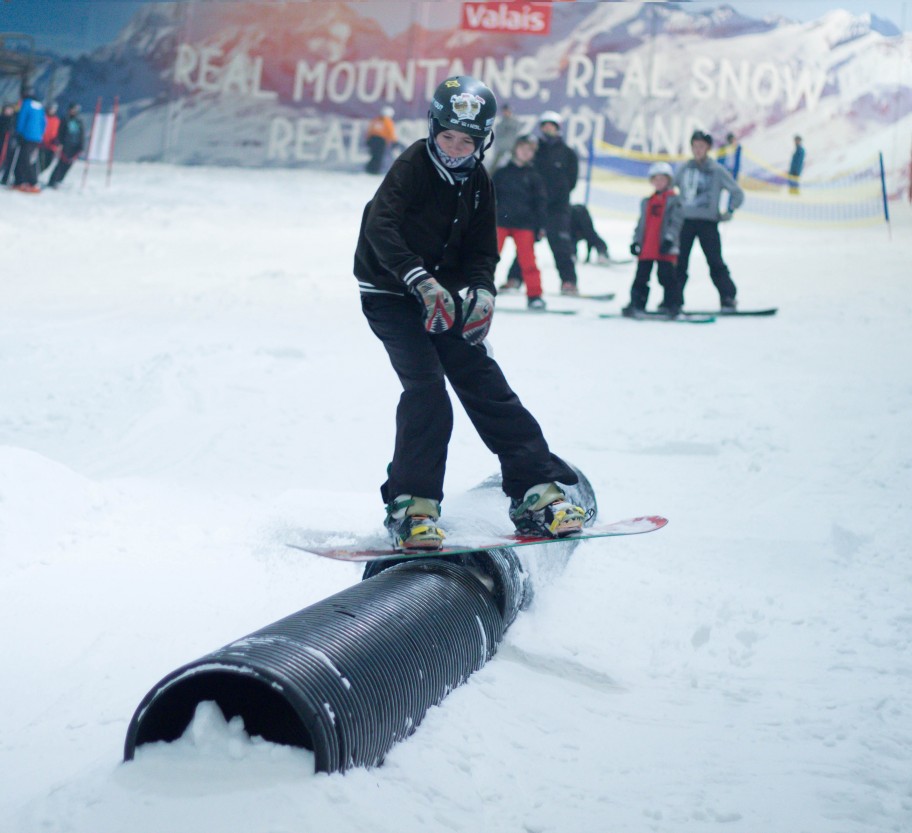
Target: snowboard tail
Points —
{"points": [[356, 553]]}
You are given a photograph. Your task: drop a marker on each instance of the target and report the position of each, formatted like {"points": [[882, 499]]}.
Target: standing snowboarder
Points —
{"points": [[559, 166], [429, 234], [701, 181], [521, 199], [655, 240]]}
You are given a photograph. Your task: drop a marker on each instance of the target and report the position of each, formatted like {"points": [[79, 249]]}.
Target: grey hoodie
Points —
{"points": [[701, 184]]}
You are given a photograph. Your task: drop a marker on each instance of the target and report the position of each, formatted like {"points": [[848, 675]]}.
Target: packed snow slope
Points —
{"points": [[187, 380]]}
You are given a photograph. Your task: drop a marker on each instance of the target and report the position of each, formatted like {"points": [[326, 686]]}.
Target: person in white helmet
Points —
{"points": [[559, 166], [655, 240]]}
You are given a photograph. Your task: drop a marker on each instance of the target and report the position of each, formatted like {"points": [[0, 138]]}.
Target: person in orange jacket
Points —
{"points": [[381, 136], [49, 143]]}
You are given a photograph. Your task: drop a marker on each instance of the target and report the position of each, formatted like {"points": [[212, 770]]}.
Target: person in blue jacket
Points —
{"points": [[30, 127], [796, 165]]}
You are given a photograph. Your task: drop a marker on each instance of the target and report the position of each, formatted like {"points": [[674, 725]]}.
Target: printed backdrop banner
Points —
{"points": [[295, 83]]}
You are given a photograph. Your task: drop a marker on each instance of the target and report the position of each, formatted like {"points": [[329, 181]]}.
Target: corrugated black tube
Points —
{"points": [[350, 676]]}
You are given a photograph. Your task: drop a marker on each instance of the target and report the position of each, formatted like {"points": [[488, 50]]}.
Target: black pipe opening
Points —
{"points": [[261, 705]]}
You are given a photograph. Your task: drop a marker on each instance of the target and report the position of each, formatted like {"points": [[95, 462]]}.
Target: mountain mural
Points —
{"points": [[258, 84]]}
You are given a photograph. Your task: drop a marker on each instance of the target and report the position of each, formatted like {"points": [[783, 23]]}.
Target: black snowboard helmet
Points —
{"points": [[465, 104]]}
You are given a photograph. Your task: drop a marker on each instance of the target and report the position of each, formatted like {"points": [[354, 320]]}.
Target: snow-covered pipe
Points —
{"points": [[350, 676]]}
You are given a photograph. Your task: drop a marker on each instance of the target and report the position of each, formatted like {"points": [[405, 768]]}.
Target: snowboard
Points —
{"points": [[683, 318], [735, 313], [605, 296], [356, 553], [613, 261], [545, 311]]}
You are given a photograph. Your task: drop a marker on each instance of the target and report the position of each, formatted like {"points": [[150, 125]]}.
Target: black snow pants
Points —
{"points": [[563, 247], [639, 292], [424, 417], [707, 232]]}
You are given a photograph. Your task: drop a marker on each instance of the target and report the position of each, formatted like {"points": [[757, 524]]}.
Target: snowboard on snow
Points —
{"points": [[612, 261], [356, 553], [682, 318], [734, 313], [605, 296], [545, 311]]}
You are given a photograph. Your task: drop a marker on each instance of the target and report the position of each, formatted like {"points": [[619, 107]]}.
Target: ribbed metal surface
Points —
{"points": [[347, 677]]}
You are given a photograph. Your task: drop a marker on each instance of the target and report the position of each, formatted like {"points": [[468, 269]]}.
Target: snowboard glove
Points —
{"points": [[478, 312], [666, 246], [439, 309], [724, 218], [635, 249]]}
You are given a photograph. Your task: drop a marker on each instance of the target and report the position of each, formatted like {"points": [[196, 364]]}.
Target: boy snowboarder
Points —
{"points": [[655, 240], [521, 200], [428, 234], [701, 181]]}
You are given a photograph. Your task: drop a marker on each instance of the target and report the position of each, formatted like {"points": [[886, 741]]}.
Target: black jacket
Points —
{"points": [[71, 136], [422, 219], [521, 197], [559, 167]]}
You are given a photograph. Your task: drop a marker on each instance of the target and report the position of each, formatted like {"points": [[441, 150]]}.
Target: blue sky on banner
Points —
{"points": [[66, 29]]}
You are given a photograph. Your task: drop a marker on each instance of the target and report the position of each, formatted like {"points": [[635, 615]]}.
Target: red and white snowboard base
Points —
{"points": [[358, 553]]}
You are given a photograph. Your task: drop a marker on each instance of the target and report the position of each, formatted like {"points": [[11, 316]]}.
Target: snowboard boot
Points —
{"points": [[728, 305], [545, 511], [412, 523], [536, 303]]}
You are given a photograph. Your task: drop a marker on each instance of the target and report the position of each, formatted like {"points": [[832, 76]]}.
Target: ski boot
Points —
{"points": [[545, 511], [412, 523]]}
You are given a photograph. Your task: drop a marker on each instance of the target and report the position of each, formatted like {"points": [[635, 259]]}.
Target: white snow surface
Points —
{"points": [[188, 381]]}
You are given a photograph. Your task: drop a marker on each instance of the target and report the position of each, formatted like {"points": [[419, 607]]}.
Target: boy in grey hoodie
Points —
{"points": [[700, 182]]}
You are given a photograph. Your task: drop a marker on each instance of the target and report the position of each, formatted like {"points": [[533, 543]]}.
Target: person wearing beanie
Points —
{"points": [[700, 182]]}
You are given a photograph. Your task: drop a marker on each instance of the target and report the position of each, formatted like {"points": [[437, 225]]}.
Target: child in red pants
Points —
{"points": [[521, 200]]}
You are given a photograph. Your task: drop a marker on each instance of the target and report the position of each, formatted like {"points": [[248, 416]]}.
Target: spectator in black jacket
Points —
{"points": [[71, 140], [521, 201], [428, 234], [559, 167]]}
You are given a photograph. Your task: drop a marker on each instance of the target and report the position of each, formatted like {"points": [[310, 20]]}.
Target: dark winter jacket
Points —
{"points": [[422, 221], [31, 121], [521, 197], [7, 123], [71, 136], [559, 167]]}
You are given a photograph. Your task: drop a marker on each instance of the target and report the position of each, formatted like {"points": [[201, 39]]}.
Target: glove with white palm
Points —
{"points": [[478, 312], [439, 308]]}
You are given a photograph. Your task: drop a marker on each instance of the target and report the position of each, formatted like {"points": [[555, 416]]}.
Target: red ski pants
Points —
{"points": [[525, 254]]}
